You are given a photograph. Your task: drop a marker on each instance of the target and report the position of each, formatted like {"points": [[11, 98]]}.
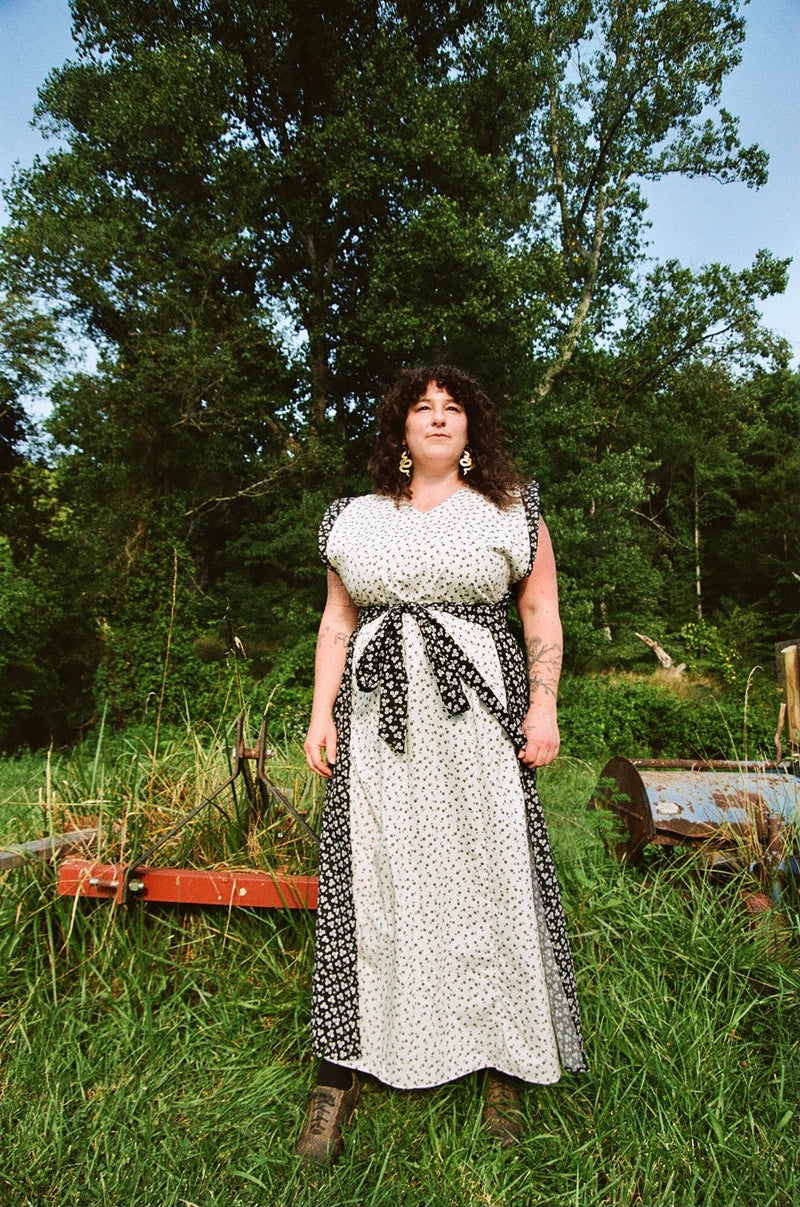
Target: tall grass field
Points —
{"points": [[159, 1055]]}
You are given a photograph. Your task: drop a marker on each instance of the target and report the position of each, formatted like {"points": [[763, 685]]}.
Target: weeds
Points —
{"points": [[134, 793]]}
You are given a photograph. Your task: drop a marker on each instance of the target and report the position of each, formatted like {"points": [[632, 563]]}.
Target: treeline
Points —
{"points": [[255, 213]]}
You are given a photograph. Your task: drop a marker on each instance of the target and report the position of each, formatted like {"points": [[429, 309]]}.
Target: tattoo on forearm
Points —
{"points": [[544, 666], [333, 635]]}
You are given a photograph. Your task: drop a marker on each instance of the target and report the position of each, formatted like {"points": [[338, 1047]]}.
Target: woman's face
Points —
{"points": [[436, 430]]}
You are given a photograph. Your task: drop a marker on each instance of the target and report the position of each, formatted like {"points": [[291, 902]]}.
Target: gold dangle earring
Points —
{"points": [[466, 462], [406, 463]]}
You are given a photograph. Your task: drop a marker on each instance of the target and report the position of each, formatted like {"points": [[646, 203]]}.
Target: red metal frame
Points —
{"points": [[188, 886]]}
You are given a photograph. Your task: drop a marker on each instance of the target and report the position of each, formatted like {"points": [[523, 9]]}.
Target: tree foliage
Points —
{"points": [[257, 211], [632, 94]]}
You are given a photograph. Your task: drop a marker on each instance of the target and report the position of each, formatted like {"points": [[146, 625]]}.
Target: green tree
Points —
{"points": [[680, 384], [29, 349], [632, 93], [764, 536], [48, 635]]}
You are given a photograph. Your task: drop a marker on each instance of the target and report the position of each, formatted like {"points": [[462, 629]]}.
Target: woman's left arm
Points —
{"points": [[537, 603]]}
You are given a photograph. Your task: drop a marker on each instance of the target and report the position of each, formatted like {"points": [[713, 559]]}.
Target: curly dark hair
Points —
{"points": [[494, 474]]}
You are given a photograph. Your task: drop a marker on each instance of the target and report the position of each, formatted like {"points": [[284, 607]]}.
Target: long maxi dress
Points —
{"points": [[441, 945]]}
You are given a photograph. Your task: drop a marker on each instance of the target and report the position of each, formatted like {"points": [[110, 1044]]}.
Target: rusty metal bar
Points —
{"points": [[18, 853], [188, 886], [708, 765], [208, 800], [273, 791]]}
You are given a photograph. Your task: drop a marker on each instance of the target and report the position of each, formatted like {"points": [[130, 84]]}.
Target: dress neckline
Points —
{"points": [[430, 510]]}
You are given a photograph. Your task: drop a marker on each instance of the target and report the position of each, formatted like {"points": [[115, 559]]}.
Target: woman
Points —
{"points": [[441, 945]]}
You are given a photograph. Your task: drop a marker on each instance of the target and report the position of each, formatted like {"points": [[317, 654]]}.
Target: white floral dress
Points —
{"points": [[441, 943]]}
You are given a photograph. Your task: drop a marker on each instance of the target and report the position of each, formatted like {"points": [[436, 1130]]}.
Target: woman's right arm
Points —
{"points": [[338, 621]]}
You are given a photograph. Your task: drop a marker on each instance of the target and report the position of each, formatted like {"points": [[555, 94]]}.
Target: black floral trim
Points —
{"points": [[530, 501], [326, 524], [556, 951], [334, 995], [382, 665]]}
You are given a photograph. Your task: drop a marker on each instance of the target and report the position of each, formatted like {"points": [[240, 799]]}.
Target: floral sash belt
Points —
{"points": [[382, 664]]}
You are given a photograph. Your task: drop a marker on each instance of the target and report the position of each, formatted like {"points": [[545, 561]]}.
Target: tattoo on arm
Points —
{"points": [[333, 635], [544, 666]]}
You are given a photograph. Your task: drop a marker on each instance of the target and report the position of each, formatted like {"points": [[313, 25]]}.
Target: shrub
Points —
{"points": [[153, 616], [708, 650], [289, 684], [646, 718]]}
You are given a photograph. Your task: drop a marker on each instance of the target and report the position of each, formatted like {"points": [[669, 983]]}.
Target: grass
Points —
{"points": [[161, 1056], [134, 794]]}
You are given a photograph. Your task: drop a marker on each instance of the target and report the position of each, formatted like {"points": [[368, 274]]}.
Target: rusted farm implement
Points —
{"points": [[725, 808], [137, 880], [736, 813]]}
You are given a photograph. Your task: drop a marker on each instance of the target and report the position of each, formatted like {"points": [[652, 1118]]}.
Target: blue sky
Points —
{"points": [[695, 221]]}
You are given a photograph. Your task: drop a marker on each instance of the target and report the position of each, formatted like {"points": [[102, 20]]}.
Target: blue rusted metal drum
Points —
{"points": [[670, 802]]}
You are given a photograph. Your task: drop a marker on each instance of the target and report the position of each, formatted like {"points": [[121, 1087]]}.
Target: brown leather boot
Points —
{"points": [[321, 1139], [502, 1111]]}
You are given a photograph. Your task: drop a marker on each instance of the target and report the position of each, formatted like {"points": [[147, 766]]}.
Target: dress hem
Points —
{"points": [[432, 1085]]}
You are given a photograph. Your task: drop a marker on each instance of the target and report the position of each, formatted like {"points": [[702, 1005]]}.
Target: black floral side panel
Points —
{"points": [[334, 994], [556, 951], [530, 501]]}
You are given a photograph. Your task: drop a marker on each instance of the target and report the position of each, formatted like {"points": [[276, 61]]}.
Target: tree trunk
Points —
{"points": [[317, 327], [697, 580]]}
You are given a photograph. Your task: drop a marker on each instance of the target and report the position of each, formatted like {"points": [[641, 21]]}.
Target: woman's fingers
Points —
{"points": [[542, 740], [315, 757], [320, 751], [538, 753], [317, 763]]}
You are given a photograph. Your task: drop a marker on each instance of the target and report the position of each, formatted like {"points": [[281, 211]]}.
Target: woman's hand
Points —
{"points": [[320, 746], [540, 728]]}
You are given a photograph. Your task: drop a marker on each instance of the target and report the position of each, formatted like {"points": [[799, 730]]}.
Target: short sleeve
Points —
{"points": [[328, 520], [530, 501]]}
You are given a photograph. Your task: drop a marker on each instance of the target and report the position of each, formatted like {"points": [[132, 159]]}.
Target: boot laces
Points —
{"points": [[323, 1104]]}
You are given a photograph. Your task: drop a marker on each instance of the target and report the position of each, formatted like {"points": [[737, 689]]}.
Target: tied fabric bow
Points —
{"points": [[382, 665]]}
